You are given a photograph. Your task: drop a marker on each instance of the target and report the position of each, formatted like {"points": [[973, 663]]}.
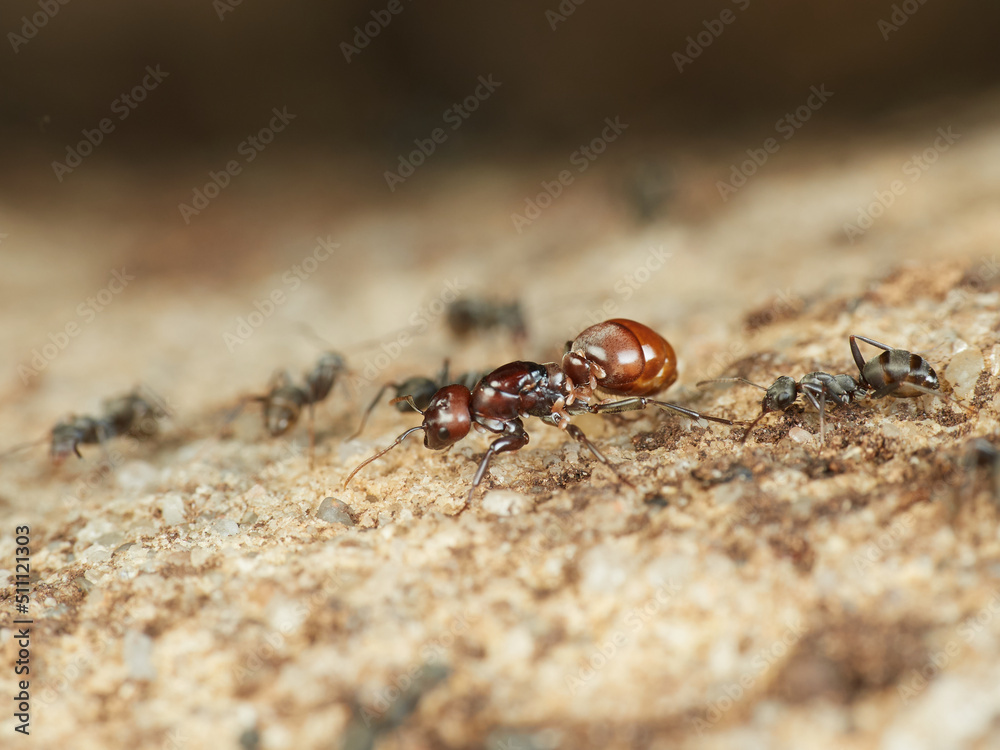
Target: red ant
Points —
{"points": [[422, 390], [622, 357]]}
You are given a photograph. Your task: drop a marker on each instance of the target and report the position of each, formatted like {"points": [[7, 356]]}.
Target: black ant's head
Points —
{"points": [[282, 409], [422, 389], [67, 436], [447, 419], [780, 395]]}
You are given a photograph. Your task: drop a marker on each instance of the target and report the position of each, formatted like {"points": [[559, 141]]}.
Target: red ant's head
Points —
{"points": [[446, 418], [446, 421]]}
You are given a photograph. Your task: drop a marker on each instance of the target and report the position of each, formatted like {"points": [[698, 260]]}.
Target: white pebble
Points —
{"points": [[172, 508], [963, 371], [799, 435], [506, 503]]}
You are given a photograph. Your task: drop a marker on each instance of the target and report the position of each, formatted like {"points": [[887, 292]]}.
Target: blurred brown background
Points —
{"points": [[225, 74]]}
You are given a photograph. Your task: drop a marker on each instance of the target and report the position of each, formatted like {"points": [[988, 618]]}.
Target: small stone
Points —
{"points": [[172, 508], [332, 510], [506, 503], [226, 527], [963, 372], [111, 539], [249, 518], [137, 653], [799, 435]]}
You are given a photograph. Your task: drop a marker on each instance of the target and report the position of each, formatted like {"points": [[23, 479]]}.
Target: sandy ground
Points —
{"points": [[776, 594]]}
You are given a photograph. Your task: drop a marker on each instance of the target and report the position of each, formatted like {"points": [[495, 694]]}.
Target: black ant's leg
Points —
{"points": [[241, 406], [371, 407], [873, 342], [858, 359], [889, 388], [577, 434], [811, 392], [312, 435]]}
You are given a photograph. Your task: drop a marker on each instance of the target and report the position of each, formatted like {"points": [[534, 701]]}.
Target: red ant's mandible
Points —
{"points": [[621, 357]]}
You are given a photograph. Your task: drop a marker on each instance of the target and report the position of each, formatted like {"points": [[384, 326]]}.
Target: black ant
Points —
{"points": [[132, 413], [284, 401], [622, 357], [421, 389], [816, 387], [467, 316], [895, 372]]}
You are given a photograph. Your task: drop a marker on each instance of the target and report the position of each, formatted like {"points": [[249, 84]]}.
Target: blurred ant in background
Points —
{"points": [[619, 356], [284, 401], [135, 413], [468, 316]]}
